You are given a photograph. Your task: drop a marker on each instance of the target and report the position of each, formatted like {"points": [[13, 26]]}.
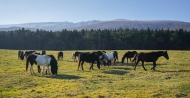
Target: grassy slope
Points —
{"points": [[172, 78]]}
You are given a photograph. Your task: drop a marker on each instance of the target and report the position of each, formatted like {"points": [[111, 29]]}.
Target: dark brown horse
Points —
{"points": [[89, 58], [129, 54], [43, 52], [149, 57], [60, 55]]}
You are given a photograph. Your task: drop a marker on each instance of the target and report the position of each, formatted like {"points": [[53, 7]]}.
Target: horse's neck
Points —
{"points": [[159, 53]]}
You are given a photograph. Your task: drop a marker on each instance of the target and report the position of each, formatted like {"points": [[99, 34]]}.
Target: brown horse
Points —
{"points": [[60, 55], [149, 57], [129, 54], [89, 58]]}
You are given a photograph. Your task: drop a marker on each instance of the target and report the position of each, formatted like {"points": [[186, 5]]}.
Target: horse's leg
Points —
{"points": [[108, 63], [91, 67], [127, 60], [143, 65], [136, 65], [78, 64], [39, 69], [105, 63], [154, 65], [48, 71], [82, 65], [31, 70], [43, 70], [114, 61]]}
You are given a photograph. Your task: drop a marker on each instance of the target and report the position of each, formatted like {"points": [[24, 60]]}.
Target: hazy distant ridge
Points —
{"points": [[96, 24]]}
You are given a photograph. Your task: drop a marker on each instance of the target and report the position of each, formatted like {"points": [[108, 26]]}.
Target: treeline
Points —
{"points": [[117, 39]]}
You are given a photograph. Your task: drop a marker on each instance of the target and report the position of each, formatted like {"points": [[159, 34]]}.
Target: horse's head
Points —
{"points": [[53, 64], [122, 60], [116, 54], [22, 55], [54, 69], [165, 54]]}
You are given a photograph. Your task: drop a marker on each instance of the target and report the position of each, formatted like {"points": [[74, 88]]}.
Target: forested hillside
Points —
{"points": [[115, 39]]}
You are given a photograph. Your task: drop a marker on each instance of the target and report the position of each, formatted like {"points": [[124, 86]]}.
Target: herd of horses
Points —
{"points": [[98, 57]]}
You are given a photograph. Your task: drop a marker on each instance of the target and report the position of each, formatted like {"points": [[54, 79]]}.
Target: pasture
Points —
{"points": [[171, 78]]}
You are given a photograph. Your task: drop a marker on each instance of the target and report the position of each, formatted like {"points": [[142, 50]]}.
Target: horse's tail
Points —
{"points": [[135, 56], [27, 61]]}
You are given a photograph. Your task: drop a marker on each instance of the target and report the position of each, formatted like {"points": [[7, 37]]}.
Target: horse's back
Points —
{"points": [[148, 56], [88, 57], [130, 54], [110, 56], [43, 59]]}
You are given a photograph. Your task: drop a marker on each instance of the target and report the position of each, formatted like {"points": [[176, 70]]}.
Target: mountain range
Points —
{"points": [[97, 24]]}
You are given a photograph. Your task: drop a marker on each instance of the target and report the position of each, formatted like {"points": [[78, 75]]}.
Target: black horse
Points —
{"points": [[43, 60], [89, 58], [43, 52], [60, 55], [129, 54], [20, 55], [149, 57]]}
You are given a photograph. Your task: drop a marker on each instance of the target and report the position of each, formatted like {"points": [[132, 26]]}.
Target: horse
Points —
{"points": [[43, 60], [74, 55], [43, 52], [107, 57], [20, 55], [60, 55], [89, 58], [149, 57], [129, 54]]}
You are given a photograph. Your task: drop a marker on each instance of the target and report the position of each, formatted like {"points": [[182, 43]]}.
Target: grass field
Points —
{"points": [[170, 80]]}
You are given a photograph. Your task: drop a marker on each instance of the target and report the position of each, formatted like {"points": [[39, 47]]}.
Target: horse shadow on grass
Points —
{"points": [[128, 64], [116, 72], [172, 71], [64, 76]]}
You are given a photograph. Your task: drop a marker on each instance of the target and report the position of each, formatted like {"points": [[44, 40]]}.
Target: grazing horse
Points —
{"points": [[60, 55], [149, 57], [89, 58], [107, 57], [43, 52], [20, 55], [129, 54], [43, 60], [74, 55]]}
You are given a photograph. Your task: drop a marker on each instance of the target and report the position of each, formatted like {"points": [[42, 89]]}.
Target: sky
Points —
{"points": [[27, 11]]}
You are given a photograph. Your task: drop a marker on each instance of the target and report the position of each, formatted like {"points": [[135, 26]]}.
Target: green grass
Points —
{"points": [[171, 78]]}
